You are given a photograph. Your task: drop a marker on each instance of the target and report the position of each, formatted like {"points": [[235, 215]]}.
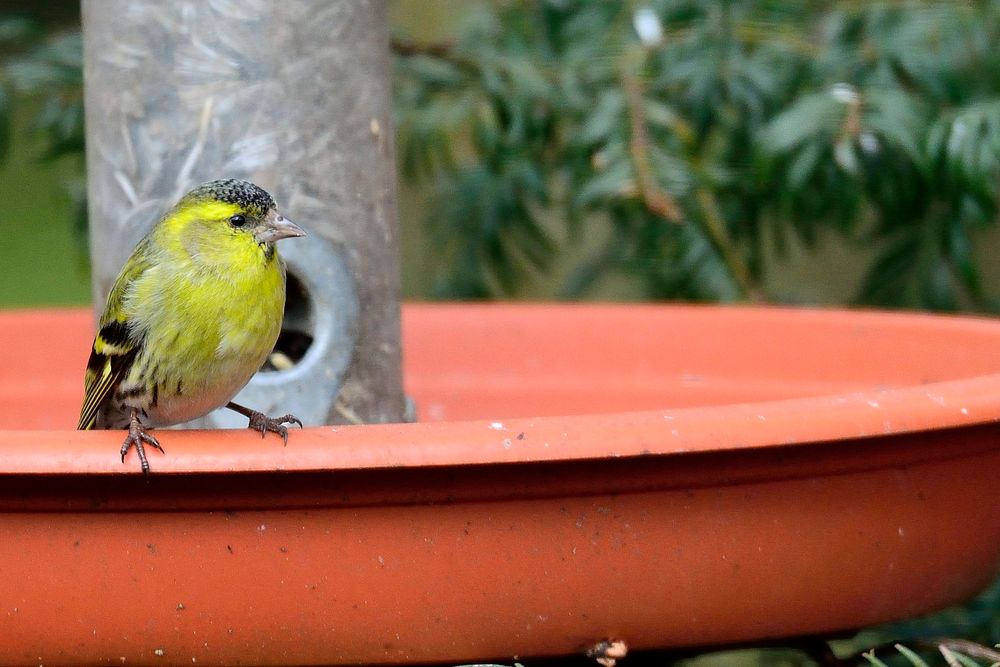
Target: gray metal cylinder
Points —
{"points": [[294, 96]]}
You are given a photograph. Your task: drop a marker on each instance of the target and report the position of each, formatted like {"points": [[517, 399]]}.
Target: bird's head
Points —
{"points": [[227, 221]]}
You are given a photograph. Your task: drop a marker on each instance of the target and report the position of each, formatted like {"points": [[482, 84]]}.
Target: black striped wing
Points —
{"points": [[114, 347], [110, 359]]}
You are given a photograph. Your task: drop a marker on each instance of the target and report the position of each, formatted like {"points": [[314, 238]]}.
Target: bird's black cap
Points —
{"points": [[235, 191]]}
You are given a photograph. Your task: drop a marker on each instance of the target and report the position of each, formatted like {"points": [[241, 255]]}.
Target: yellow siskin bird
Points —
{"points": [[191, 317]]}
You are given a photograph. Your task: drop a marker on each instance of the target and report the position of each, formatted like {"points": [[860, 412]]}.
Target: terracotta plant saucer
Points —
{"points": [[670, 476]]}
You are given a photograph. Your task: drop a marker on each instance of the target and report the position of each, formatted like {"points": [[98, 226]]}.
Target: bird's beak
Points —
{"points": [[277, 229]]}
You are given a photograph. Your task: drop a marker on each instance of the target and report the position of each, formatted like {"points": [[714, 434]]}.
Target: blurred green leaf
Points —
{"points": [[968, 141], [603, 120], [434, 71], [873, 659], [615, 179], [899, 120], [817, 115], [910, 655], [17, 28]]}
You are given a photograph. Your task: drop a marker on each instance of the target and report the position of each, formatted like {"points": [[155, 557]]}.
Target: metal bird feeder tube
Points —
{"points": [[293, 96]]}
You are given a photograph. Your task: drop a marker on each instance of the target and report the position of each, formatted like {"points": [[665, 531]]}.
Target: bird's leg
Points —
{"points": [[262, 423], [136, 436]]}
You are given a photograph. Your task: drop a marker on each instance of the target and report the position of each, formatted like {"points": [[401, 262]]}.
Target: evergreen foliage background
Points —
{"points": [[727, 127]]}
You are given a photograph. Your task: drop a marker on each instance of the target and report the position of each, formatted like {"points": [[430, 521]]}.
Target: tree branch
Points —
{"points": [[657, 200], [715, 225], [407, 47]]}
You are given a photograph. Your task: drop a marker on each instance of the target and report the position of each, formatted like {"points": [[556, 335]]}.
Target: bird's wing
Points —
{"points": [[115, 346], [110, 359]]}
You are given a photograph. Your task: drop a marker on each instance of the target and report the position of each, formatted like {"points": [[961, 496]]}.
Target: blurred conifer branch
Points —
{"points": [[704, 134]]}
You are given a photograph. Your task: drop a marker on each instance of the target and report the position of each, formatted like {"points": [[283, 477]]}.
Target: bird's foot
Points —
{"points": [[137, 435], [262, 423]]}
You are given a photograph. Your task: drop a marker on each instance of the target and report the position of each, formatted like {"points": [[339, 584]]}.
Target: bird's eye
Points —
{"points": [[238, 220]]}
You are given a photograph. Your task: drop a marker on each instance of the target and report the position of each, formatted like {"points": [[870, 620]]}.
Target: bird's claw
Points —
{"points": [[137, 435], [263, 424]]}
